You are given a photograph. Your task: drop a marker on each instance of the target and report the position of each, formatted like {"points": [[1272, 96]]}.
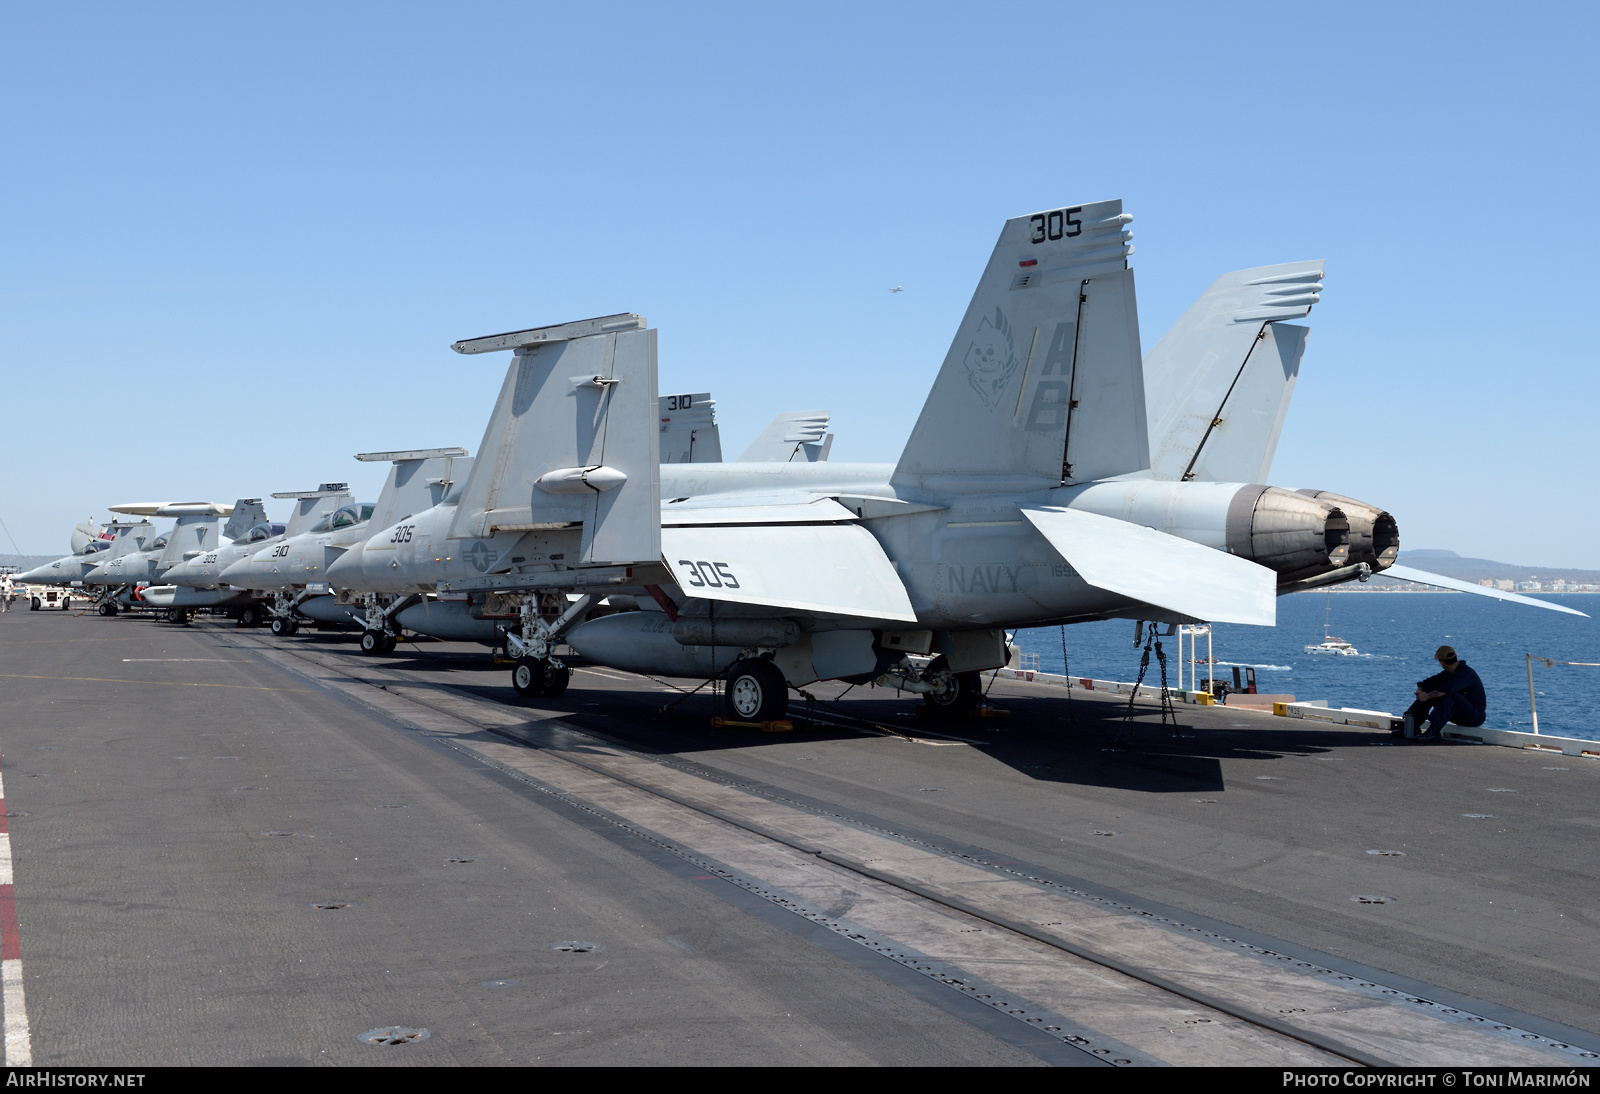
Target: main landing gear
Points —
{"points": [[378, 643], [282, 627], [757, 691], [536, 676]]}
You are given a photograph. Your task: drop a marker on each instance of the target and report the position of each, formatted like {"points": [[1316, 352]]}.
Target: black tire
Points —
{"points": [[66, 603], [250, 616], [757, 692], [963, 692], [115, 608], [390, 641], [174, 615], [527, 677], [372, 642], [280, 627], [294, 628], [33, 606], [106, 609], [556, 678]]}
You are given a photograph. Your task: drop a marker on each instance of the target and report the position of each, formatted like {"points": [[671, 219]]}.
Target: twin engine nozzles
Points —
{"points": [[1308, 533]]}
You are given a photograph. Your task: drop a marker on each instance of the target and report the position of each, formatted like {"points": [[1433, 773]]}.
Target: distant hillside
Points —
{"points": [[1450, 564], [26, 562]]}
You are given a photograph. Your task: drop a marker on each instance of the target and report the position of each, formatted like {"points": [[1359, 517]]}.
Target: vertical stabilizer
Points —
{"points": [[128, 537], [1219, 382], [198, 528], [419, 479], [796, 436], [573, 439], [247, 513], [1043, 379], [311, 506], [689, 431]]}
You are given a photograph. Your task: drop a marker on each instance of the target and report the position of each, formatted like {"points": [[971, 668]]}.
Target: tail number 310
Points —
{"points": [[716, 575]]}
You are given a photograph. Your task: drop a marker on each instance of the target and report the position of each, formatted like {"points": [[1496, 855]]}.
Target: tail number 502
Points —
{"points": [[716, 575]]}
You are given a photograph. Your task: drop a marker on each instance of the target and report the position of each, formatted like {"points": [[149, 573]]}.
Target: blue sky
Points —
{"points": [[238, 239]]}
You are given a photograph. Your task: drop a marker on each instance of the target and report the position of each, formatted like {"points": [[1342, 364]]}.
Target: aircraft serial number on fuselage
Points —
{"points": [[716, 575], [1054, 225]]}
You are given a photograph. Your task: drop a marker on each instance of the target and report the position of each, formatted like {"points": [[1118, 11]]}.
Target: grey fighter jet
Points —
{"points": [[1027, 495], [198, 526], [198, 581]]}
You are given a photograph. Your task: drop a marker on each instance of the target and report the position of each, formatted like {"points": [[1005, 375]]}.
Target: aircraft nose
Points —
{"points": [[238, 574], [345, 570]]}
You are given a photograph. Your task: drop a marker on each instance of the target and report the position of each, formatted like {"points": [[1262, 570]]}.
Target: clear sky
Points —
{"points": [[238, 239]]}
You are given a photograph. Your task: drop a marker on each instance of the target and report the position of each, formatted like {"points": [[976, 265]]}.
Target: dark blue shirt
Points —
{"points": [[1463, 682]]}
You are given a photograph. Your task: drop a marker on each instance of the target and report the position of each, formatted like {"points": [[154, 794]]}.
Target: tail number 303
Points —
{"points": [[716, 575]]}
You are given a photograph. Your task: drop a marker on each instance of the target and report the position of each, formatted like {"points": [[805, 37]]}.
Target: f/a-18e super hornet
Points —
{"points": [[1029, 494], [384, 607], [197, 525], [92, 544], [198, 582]]}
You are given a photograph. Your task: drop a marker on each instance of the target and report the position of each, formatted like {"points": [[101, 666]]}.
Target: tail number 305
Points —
{"points": [[716, 575]]}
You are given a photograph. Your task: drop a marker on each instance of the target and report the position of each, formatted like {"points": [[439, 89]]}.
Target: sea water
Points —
{"points": [[1396, 634]]}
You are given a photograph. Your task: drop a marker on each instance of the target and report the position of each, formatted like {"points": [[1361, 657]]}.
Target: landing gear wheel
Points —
{"points": [[33, 605], [757, 692], [108, 609], [527, 677], [373, 642], [390, 641], [556, 678], [250, 616], [294, 627], [174, 615], [66, 603], [281, 627], [962, 692]]}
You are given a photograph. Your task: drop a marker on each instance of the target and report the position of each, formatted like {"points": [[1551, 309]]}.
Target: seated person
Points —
{"points": [[1452, 695]]}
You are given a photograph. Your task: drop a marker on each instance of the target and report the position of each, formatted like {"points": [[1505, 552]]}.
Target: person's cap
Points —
{"points": [[1445, 655]]}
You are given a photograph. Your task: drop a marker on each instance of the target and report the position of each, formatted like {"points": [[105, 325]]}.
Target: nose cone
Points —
{"points": [[97, 576], [39, 575], [240, 574], [344, 572], [185, 573]]}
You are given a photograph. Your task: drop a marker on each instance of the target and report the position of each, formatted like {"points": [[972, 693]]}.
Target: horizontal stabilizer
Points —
{"points": [[1161, 570], [1422, 577], [834, 568]]}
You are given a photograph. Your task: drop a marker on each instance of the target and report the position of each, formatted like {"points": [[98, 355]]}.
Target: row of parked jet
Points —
{"points": [[1056, 475]]}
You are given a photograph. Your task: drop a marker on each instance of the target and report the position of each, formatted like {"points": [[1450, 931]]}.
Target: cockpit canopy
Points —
{"points": [[95, 545], [159, 545], [264, 531], [346, 516]]}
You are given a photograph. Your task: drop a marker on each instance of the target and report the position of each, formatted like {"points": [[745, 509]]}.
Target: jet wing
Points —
{"points": [[1155, 568], [835, 568], [1422, 577]]}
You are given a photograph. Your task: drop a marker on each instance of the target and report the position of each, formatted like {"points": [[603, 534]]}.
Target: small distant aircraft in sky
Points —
{"points": [[897, 288]]}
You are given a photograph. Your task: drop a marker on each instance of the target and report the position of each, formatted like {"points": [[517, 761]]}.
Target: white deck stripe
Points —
{"points": [[19, 1042]]}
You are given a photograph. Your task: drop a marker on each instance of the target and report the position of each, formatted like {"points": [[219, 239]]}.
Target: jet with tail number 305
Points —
{"points": [[1055, 475]]}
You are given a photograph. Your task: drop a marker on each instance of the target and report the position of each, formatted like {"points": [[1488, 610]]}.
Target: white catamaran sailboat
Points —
{"points": [[1336, 647]]}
